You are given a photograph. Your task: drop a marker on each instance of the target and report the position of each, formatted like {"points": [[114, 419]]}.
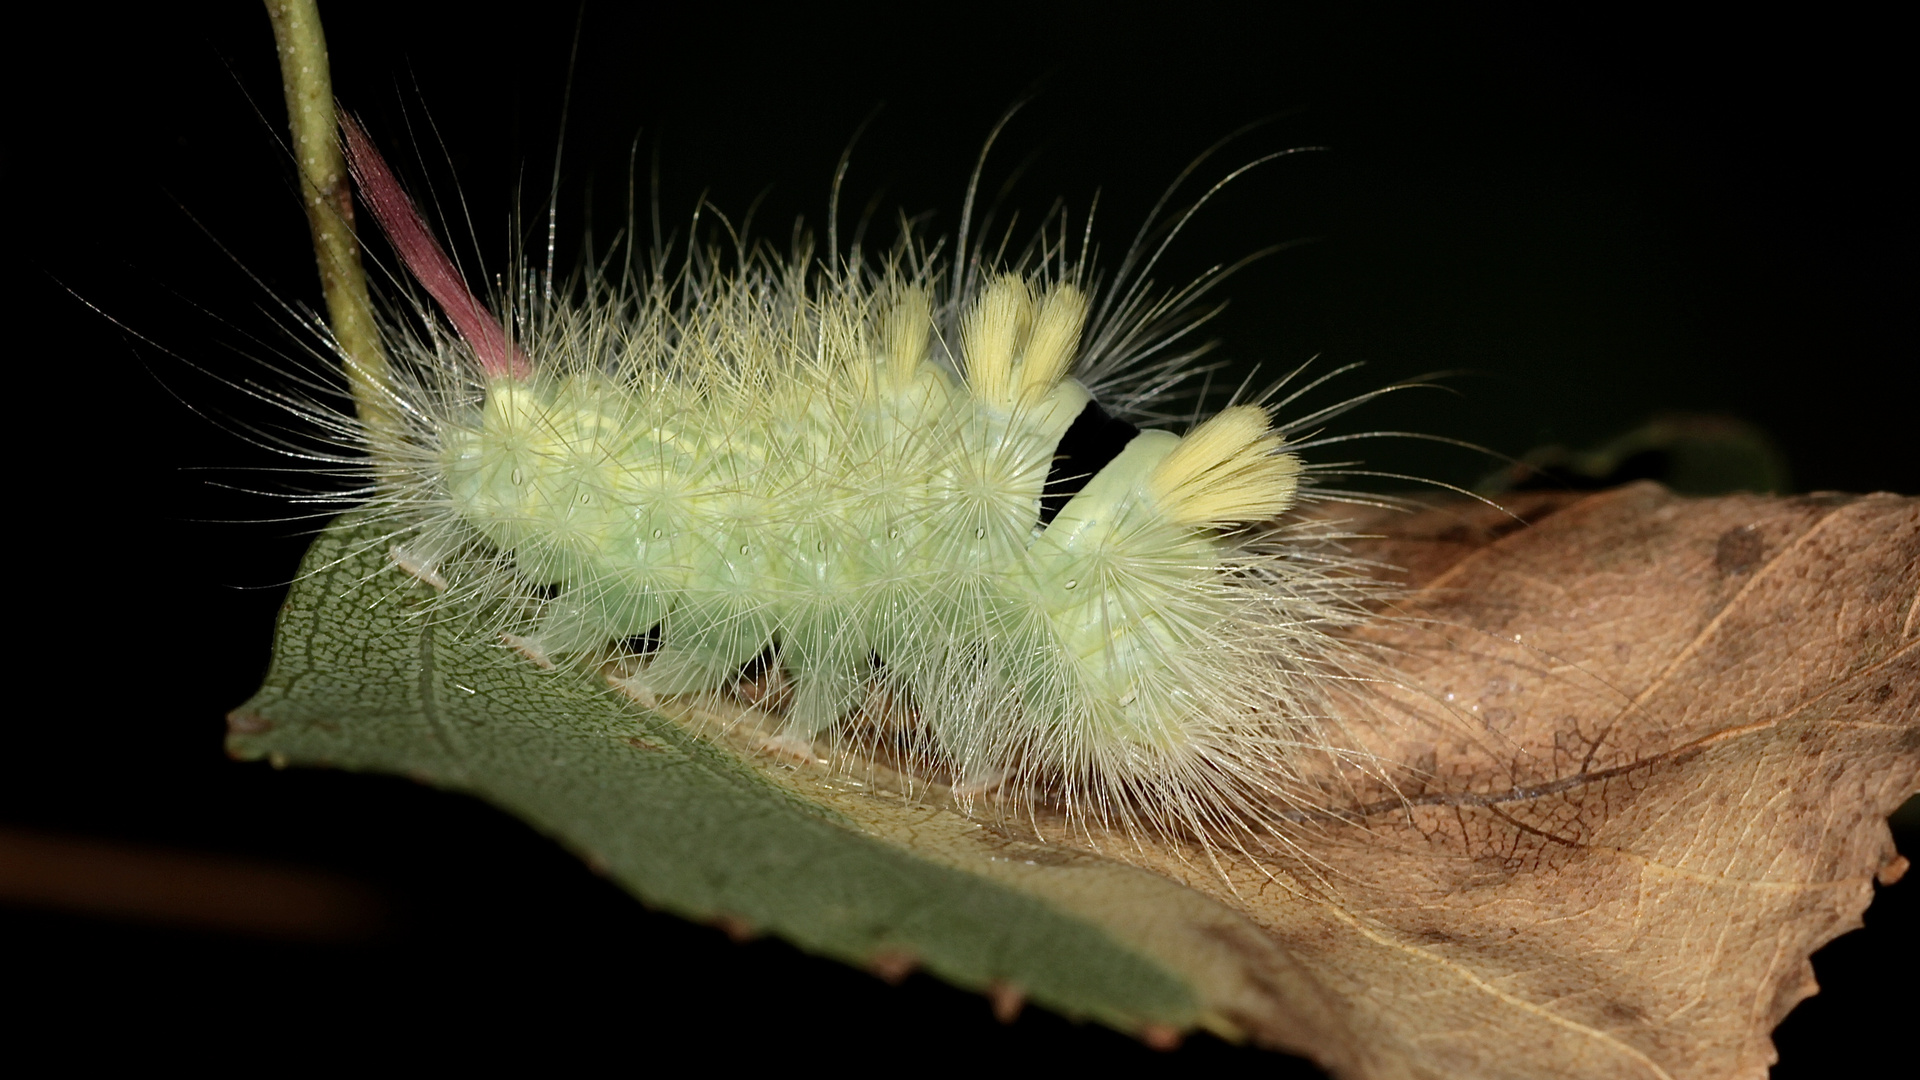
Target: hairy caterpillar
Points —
{"points": [[96, 771], [907, 498]]}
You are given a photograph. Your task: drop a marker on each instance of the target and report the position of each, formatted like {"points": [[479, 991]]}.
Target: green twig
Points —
{"points": [[328, 196]]}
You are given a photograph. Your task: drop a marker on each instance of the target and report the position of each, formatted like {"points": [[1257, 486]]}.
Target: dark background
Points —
{"points": [[1597, 219]]}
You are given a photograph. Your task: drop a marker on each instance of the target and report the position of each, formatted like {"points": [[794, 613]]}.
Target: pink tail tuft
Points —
{"points": [[427, 260]]}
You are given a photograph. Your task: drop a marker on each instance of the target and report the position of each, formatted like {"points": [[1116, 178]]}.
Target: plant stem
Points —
{"points": [[328, 196]]}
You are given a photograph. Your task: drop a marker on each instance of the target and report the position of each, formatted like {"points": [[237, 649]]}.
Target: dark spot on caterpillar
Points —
{"points": [[1738, 550], [546, 592], [762, 681], [642, 644], [1094, 439], [757, 668]]}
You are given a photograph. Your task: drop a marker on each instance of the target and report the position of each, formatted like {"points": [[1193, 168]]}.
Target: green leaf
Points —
{"points": [[361, 680]]}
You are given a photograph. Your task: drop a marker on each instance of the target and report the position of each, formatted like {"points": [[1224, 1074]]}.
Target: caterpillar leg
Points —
{"points": [[826, 689], [703, 647]]}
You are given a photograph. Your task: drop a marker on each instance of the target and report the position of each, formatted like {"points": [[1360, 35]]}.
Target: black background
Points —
{"points": [[1597, 218]]}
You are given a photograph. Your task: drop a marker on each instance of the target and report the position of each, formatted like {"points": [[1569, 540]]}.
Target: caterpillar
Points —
{"points": [[908, 505]]}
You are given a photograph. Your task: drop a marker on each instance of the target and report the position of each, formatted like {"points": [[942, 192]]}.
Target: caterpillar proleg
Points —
{"points": [[910, 498]]}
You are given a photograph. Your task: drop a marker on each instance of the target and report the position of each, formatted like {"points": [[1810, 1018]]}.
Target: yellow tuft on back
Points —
{"points": [[1055, 338], [1228, 471], [1020, 346], [994, 332], [904, 332]]}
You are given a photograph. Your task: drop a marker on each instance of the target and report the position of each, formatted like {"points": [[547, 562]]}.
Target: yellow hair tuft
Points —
{"points": [[1228, 471], [1055, 339], [995, 331], [904, 333]]}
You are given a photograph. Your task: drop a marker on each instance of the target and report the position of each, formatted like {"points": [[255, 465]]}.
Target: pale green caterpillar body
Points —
{"points": [[893, 497]]}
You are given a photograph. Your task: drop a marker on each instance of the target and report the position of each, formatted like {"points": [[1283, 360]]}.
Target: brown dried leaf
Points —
{"points": [[1652, 744]]}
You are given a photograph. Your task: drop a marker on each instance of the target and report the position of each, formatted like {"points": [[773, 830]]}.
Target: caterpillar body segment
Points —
{"points": [[887, 495]]}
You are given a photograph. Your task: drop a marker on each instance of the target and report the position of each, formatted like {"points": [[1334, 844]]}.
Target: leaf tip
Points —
{"points": [[243, 722], [1163, 1037], [892, 965], [737, 929], [1894, 870], [1007, 1000]]}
